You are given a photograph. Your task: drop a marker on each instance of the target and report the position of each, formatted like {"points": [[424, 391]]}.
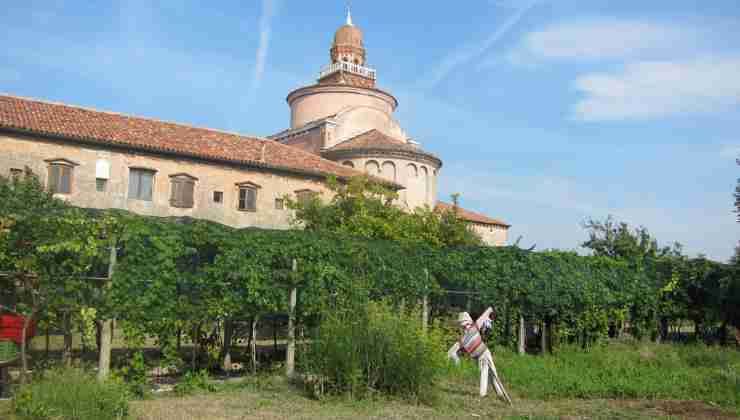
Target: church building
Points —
{"points": [[342, 125]]}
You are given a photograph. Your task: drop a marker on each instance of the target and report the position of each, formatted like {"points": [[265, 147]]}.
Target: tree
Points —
{"points": [[737, 196], [614, 239], [49, 248], [367, 209]]}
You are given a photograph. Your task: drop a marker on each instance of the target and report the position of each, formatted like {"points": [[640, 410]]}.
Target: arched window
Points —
{"points": [[427, 183], [372, 167], [411, 171], [389, 171], [348, 163]]}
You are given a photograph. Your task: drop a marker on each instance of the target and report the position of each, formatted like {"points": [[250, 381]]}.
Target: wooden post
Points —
{"points": [[106, 329], [522, 336], [228, 338], [47, 341], [67, 350], [4, 381], [425, 305], [543, 337], [253, 344], [425, 313], [290, 350]]}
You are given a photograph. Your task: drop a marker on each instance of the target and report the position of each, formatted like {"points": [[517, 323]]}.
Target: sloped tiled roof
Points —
{"points": [[105, 128], [375, 141], [471, 216]]}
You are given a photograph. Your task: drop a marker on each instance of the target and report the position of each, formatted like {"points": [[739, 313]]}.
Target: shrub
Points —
{"points": [[71, 394], [377, 349], [193, 382], [134, 375]]}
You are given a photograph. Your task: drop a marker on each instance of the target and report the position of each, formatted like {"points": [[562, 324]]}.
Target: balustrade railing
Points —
{"points": [[348, 67]]}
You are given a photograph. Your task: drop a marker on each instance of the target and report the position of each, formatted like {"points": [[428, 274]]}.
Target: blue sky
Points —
{"points": [[545, 112]]}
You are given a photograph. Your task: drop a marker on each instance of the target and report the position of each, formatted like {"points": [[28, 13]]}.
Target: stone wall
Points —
{"points": [[17, 152], [420, 179], [492, 235]]}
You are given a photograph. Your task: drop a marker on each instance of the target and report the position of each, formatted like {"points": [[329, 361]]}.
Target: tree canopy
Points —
{"points": [[367, 209]]}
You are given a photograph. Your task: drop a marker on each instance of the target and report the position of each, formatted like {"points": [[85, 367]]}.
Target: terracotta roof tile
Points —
{"points": [[374, 139], [470, 216], [106, 128]]}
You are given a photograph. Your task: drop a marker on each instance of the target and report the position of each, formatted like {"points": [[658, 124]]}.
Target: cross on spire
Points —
{"points": [[349, 15]]}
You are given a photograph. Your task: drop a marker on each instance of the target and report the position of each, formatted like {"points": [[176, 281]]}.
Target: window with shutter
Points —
{"points": [[60, 177], [218, 196], [140, 184], [305, 196], [101, 184], [247, 198], [182, 190]]}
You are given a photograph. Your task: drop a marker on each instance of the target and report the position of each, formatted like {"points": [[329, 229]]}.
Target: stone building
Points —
{"points": [[342, 125]]}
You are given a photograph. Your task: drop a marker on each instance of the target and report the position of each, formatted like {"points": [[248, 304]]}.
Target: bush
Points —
{"points": [[193, 382], [134, 375], [71, 394], [377, 349]]}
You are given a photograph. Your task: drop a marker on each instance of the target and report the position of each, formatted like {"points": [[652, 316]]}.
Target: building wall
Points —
{"points": [[311, 140], [321, 101], [357, 120], [17, 152], [418, 178], [492, 235]]}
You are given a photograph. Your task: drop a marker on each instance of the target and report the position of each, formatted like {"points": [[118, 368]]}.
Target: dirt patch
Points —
{"points": [[680, 409]]}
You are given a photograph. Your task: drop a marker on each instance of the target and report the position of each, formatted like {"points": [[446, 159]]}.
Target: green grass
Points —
{"points": [[625, 371], [621, 381]]}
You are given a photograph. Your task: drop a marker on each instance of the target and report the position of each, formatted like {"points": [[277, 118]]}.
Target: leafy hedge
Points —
{"points": [[181, 274]]}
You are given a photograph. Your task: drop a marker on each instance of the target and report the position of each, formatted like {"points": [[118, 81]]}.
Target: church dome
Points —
{"points": [[348, 35]]}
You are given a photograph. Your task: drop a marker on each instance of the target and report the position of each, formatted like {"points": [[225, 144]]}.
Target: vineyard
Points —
{"points": [[175, 279]]}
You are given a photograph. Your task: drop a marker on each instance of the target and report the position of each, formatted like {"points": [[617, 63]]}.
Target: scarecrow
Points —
{"points": [[472, 343]]}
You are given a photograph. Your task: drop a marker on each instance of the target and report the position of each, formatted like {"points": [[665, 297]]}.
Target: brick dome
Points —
{"points": [[348, 35]]}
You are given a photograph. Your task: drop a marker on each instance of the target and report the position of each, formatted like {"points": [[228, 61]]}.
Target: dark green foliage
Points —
{"points": [[133, 375], [367, 209], [376, 348], [71, 394], [194, 382]]}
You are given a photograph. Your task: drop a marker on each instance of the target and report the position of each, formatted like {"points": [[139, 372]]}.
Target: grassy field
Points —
{"points": [[275, 399], [622, 381]]}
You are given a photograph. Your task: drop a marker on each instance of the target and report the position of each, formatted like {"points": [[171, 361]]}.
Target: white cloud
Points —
{"points": [[650, 89], [265, 28], [730, 152], [549, 209], [466, 53], [598, 39]]}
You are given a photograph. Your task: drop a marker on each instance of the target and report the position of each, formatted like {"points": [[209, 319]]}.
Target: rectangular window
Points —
{"points": [[218, 197], [247, 199], [183, 188], [60, 178], [305, 196], [140, 184], [101, 184], [279, 204]]}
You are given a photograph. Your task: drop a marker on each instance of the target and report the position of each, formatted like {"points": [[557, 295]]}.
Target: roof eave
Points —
{"points": [[167, 151]]}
